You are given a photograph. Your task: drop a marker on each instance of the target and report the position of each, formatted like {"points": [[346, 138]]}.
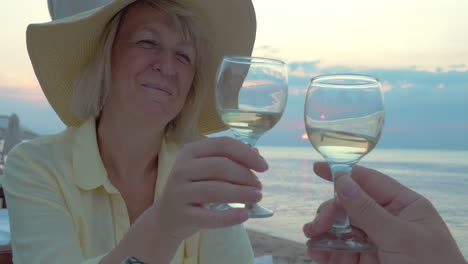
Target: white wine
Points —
{"points": [[340, 147], [249, 123]]}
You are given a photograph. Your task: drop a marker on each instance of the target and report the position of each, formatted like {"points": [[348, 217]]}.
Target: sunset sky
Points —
{"points": [[419, 49]]}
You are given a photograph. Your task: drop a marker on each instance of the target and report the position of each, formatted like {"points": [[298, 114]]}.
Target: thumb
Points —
{"points": [[364, 212]]}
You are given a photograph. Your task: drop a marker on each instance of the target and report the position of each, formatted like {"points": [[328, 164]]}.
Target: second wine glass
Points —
{"points": [[251, 94], [344, 117]]}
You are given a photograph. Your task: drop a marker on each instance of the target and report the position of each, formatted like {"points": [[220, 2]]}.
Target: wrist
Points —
{"points": [[146, 241], [165, 233]]}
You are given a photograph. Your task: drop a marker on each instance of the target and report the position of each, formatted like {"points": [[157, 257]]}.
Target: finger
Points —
{"points": [[343, 258], [368, 258], [205, 218], [323, 170], [358, 233], [222, 169], [221, 192], [319, 256], [365, 213], [322, 222], [380, 187], [230, 148]]}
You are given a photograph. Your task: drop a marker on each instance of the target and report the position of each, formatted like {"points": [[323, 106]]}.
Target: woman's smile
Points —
{"points": [[157, 88]]}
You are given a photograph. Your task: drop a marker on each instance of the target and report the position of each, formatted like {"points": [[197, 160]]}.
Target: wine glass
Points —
{"points": [[251, 95], [344, 116]]}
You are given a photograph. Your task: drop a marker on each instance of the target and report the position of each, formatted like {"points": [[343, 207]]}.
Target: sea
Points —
{"points": [[293, 191]]}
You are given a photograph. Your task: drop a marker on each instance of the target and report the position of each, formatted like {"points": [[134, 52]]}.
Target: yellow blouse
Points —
{"points": [[63, 208]]}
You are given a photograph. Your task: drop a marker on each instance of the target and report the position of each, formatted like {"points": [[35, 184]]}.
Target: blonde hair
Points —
{"points": [[91, 88]]}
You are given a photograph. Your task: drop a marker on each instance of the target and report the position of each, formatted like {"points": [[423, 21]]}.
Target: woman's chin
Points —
{"points": [[155, 112]]}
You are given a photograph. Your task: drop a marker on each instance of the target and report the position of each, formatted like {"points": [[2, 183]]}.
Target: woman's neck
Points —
{"points": [[129, 149]]}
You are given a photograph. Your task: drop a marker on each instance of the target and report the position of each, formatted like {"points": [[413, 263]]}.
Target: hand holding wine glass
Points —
{"points": [[402, 223], [251, 95], [344, 117]]}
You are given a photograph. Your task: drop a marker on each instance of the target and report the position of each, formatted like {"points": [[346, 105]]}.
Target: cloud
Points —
{"points": [[266, 51], [255, 83], [309, 66], [401, 86], [424, 108], [35, 96], [429, 127], [296, 90], [265, 47], [405, 84], [286, 124], [458, 66], [19, 80], [300, 72], [386, 86]]}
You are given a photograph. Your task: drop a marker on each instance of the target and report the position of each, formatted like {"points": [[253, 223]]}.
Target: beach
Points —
{"points": [[284, 251]]}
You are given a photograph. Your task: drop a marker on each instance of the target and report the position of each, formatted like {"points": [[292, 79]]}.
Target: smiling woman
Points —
{"points": [[132, 173], [169, 44]]}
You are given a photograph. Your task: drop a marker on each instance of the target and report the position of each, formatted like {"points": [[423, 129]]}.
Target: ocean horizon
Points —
{"points": [[293, 191]]}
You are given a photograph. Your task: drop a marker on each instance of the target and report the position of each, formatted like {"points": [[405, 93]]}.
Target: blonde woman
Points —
{"points": [[128, 179]]}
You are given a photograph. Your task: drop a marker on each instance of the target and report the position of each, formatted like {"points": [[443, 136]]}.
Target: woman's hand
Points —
{"points": [[402, 223], [213, 170]]}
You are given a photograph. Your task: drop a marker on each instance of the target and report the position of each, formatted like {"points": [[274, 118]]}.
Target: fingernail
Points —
{"points": [[311, 224], [243, 215], [317, 216], [262, 162], [258, 184], [347, 187], [256, 195]]}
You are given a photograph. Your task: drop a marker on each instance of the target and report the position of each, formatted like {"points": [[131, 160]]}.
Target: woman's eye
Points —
{"points": [[147, 43], [184, 57]]}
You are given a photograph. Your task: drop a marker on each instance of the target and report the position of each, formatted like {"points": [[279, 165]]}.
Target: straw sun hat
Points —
{"points": [[59, 50]]}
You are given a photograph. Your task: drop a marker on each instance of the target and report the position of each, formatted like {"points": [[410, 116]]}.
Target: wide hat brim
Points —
{"points": [[61, 49]]}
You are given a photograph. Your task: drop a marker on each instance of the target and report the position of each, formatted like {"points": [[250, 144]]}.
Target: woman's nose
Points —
{"points": [[164, 62]]}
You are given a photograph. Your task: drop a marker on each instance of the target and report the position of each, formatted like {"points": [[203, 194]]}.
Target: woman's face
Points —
{"points": [[152, 67]]}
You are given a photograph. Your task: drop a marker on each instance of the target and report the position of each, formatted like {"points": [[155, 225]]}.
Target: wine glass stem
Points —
{"points": [[341, 225], [251, 142], [248, 140]]}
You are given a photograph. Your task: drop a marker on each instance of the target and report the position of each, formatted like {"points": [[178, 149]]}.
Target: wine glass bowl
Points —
{"points": [[251, 95], [344, 117]]}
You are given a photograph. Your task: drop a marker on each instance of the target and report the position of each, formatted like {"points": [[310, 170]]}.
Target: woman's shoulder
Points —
{"points": [[43, 155], [39, 165], [44, 146]]}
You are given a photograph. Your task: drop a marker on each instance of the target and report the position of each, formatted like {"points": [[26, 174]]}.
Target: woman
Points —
{"points": [[131, 174]]}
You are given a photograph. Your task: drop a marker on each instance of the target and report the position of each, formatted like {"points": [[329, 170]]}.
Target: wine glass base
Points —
{"points": [[341, 243], [254, 210], [257, 211]]}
